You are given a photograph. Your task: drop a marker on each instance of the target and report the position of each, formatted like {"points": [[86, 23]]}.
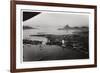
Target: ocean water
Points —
{"points": [[54, 31]]}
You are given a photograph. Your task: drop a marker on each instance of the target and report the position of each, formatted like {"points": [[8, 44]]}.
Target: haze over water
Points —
{"points": [[49, 23]]}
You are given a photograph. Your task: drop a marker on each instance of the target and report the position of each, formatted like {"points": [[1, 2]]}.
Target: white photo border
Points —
{"points": [[38, 64]]}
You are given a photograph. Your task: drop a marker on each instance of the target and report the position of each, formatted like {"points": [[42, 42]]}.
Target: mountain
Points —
{"points": [[28, 27], [65, 27]]}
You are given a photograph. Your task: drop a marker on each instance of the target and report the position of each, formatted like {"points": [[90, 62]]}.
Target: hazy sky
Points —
{"points": [[49, 19]]}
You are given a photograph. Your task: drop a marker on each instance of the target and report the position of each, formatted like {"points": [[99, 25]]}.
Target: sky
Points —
{"points": [[54, 19]]}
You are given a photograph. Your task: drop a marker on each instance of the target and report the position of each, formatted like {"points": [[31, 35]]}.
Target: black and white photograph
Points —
{"points": [[52, 36], [49, 35]]}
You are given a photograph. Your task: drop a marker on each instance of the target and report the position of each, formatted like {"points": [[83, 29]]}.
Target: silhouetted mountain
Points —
{"points": [[28, 27], [65, 27]]}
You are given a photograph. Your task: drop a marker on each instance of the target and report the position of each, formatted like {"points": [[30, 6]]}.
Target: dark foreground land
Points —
{"points": [[75, 46]]}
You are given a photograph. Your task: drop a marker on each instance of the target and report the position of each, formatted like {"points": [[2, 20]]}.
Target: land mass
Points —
{"points": [[28, 27], [67, 27]]}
